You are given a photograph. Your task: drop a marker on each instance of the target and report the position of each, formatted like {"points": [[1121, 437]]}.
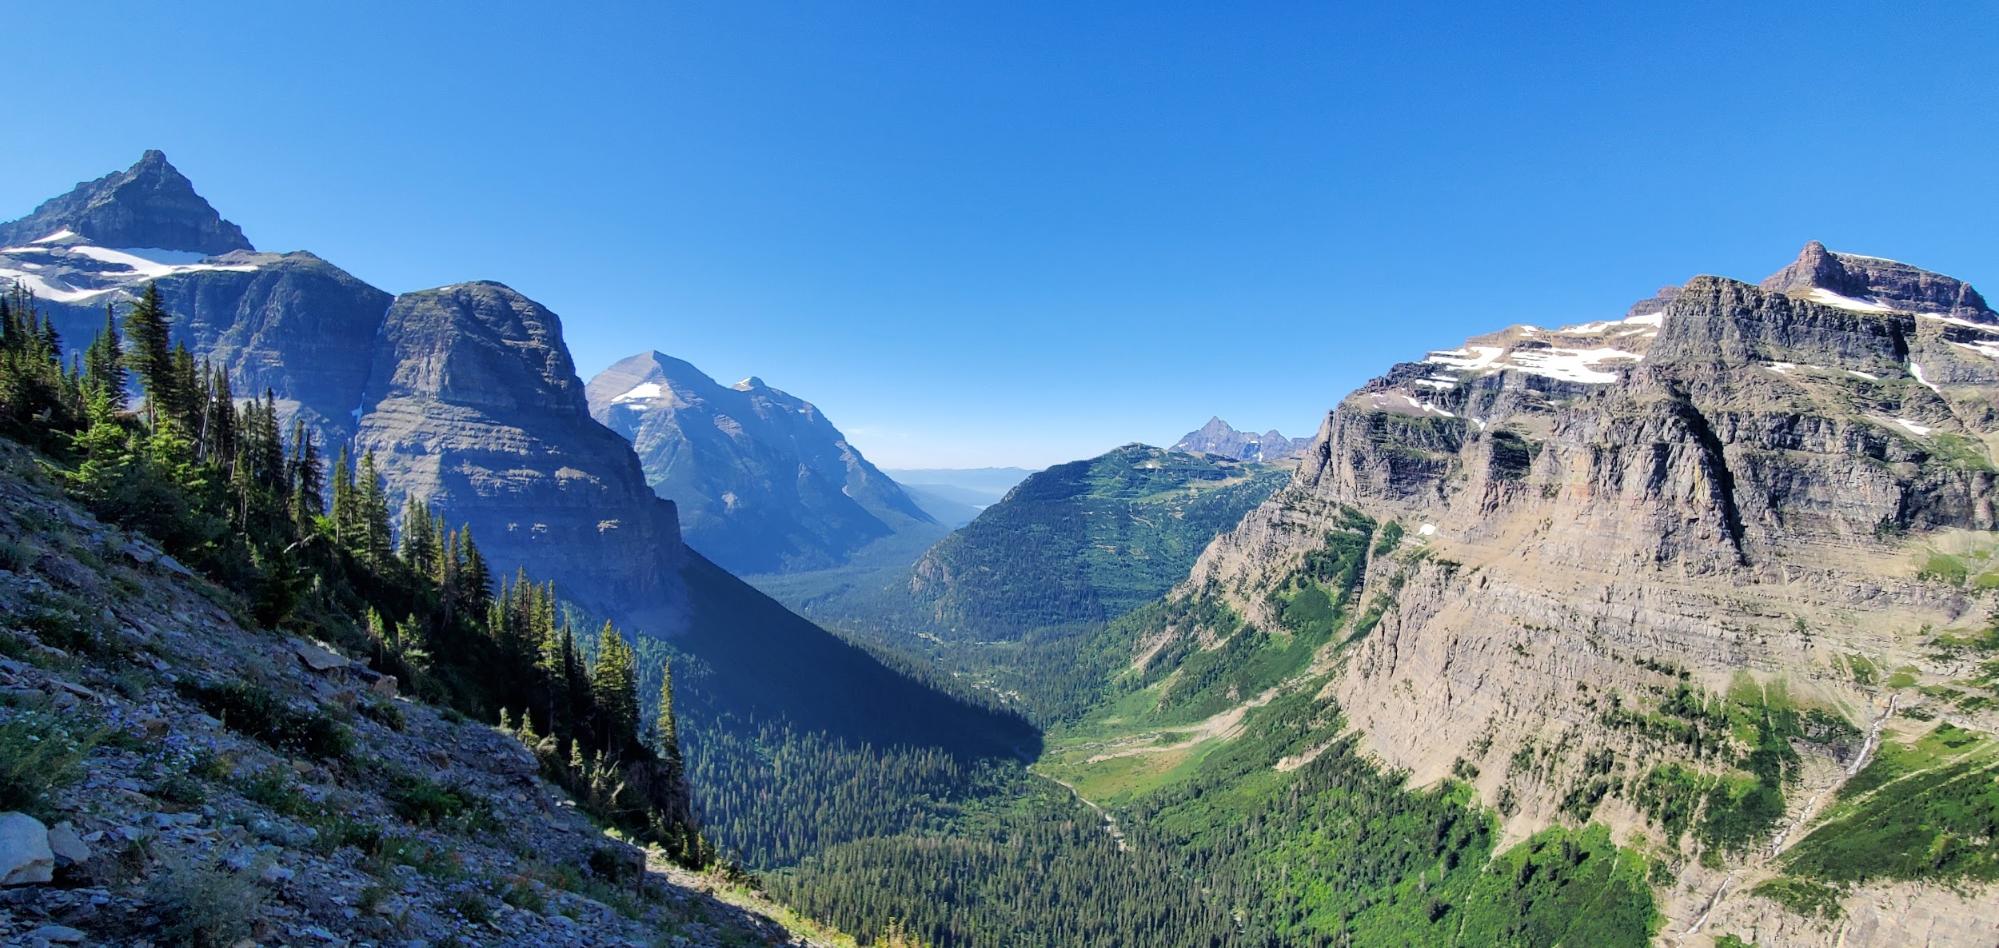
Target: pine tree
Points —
{"points": [[475, 578], [306, 478], [104, 361], [614, 689], [373, 502], [666, 729], [148, 353], [346, 516]]}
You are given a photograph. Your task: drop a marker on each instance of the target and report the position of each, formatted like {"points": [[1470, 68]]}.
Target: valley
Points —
{"points": [[331, 613]]}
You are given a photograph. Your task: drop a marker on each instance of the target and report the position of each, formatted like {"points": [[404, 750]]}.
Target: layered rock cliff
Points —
{"points": [[1736, 493], [474, 406], [763, 480]]}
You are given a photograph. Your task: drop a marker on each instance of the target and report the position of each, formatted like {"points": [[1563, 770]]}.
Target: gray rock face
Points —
{"points": [[295, 324], [150, 204], [474, 406], [763, 481], [1218, 438]]}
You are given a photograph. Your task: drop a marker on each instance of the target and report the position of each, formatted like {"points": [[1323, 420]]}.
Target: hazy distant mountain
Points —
{"points": [[952, 507], [1218, 438], [977, 486], [764, 482]]}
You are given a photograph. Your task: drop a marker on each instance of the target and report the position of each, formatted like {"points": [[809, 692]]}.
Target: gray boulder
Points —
{"points": [[25, 858]]}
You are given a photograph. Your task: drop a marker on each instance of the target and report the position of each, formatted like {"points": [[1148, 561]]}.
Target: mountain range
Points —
{"points": [[1218, 438], [466, 398]]}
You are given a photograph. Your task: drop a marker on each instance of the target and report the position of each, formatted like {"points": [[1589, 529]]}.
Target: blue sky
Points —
{"points": [[1021, 233]]}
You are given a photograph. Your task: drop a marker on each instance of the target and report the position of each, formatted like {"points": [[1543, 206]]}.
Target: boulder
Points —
{"points": [[318, 658], [25, 858], [68, 847]]}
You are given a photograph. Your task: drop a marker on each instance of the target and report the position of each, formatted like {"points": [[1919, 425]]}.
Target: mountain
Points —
{"points": [[950, 507], [1084, 541], [765, 483], [473, 406], [291, 323], [150, 204], [1712, 582], [977, 486], [1217, 438]]}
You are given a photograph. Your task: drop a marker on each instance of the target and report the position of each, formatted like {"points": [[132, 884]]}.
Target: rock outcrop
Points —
{"points": [[474, 406], [764, 482]]}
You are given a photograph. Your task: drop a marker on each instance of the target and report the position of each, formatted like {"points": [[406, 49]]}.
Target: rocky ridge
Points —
{"points": [[1732, 486], [158, 816]]}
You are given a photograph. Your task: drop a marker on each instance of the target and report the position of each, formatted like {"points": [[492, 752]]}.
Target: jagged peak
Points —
{"points": [[150, 204]]}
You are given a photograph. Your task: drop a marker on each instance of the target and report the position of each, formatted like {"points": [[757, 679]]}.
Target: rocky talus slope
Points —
{"points": [[763, 480], [174, 775], [1738, 539]]}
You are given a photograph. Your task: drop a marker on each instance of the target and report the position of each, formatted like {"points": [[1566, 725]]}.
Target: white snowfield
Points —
{"points": [[58, 270], [643, 392]]}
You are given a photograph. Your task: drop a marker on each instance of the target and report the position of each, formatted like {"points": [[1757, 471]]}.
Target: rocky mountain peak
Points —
{"points": [[150, 205], [1828, 276], [764, 482], [1219, 438]]}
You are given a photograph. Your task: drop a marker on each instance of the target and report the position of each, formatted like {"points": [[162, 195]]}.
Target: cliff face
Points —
{"points": [[763, 480], [1731, 487], [474, 406]]}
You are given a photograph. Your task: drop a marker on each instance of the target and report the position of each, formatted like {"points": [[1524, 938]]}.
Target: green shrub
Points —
{"points": [[426, 802], [251, 710], [38, 755], [203, 906]]}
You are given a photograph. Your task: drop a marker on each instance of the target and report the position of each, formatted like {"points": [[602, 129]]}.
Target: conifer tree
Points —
{"points": [[666, 729], [614, 689], [373, 501], [104, 360], [475, 578], [148, 353], [306, 477], [346, 518]]}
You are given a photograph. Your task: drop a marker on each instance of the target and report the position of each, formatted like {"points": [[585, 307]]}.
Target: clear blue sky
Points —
{"points": [[1018, 233]]}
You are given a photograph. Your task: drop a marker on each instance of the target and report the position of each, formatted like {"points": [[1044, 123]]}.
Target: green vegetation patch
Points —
{"points": [[251, 710], [1928, 811]]}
